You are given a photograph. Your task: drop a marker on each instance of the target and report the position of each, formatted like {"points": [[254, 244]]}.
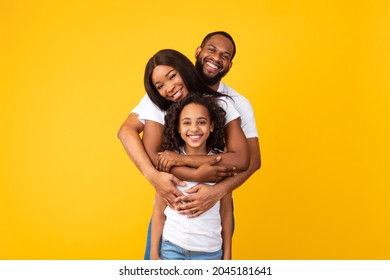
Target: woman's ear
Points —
{"points": [[211, 126]]}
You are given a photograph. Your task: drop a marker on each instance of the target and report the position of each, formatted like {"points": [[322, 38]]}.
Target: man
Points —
{"points": [[213, 61]]}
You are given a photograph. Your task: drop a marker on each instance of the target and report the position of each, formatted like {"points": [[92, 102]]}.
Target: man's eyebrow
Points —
{"points": [[211, 45]]}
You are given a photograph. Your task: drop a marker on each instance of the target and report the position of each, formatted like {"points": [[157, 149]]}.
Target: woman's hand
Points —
{"points": [[164, 183]]}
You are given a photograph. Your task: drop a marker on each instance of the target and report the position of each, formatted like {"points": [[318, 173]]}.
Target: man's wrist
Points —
{"points": [[220, 190]]}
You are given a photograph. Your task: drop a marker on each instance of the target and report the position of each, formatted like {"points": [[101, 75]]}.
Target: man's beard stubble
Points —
{"points": [[210, 81]]}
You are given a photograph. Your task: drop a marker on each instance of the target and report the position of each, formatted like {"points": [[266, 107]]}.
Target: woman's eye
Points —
{"points": [[172, 76]]}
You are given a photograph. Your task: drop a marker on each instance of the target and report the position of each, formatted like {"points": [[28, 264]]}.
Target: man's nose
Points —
{"points": [[217, 57]]}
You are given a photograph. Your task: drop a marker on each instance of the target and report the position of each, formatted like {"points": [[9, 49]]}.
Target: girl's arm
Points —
{"points": [[226, 212], [236, 159], [152, 140], [158, 220]]}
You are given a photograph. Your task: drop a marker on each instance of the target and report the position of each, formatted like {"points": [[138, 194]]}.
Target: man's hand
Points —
{"points": [[210, 172], [200, 199], [164, 183], [169, 159]]}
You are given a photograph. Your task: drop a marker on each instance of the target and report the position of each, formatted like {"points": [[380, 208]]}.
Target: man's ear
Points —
{"points": [[230, 65], [197, 52]]}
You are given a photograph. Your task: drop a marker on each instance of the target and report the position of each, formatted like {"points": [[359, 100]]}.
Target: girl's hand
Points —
{"points": [[169, 159]]}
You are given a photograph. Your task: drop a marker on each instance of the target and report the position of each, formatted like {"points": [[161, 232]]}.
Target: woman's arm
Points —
{"points": [[158, 220], [226, 212], [164, 183]]}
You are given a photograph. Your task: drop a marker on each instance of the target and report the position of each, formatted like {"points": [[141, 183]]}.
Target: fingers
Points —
{"points": [[177, 181], [170, 197], [191, 212], [215, 160], [169, 203], [164, 163], [192, 190], [161, 165], [195, 214]]}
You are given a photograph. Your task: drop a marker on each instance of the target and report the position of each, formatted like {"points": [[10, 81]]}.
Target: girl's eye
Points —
{"points": [[158, 87], [172, 76]]}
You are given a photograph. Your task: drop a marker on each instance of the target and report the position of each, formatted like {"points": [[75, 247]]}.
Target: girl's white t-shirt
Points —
{"points": [[202, 233]]}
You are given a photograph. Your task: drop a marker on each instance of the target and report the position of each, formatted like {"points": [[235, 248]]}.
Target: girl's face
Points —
{"points": [[195, 127], [169, 83]]}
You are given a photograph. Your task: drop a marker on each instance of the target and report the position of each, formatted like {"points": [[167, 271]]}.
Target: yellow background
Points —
{"points": [[318, 76]]}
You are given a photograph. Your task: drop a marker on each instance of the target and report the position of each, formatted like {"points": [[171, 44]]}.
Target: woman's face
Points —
{"points": [[169, 83]]}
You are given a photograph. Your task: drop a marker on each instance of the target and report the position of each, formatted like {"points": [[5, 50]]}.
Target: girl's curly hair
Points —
{"points": [[171, 137]]}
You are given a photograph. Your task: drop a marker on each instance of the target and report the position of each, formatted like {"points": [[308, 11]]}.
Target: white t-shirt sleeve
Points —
{"points": [[227, 105], [248, 122], [147, 110], [244, 108]]}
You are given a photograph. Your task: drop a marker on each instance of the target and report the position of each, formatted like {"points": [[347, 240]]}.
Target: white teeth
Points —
{"points": [[212, 65], [176, 94], [194, 137]]}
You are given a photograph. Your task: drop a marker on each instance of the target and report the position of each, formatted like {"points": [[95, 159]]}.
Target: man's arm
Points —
{"points": [[204, 197], [164, 183]]}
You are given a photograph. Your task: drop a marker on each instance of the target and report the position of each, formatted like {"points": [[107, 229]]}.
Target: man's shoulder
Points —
{"points": [[224, 88]]}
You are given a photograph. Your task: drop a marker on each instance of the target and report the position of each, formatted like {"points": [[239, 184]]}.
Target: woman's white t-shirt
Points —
{"points": [[147, 110]]}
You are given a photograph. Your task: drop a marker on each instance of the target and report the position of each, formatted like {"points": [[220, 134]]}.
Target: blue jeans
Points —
{"points": [[170, 251], [147, 249]]}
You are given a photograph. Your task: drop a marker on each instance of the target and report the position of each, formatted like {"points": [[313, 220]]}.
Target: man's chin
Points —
{"points": [[210, 80]]}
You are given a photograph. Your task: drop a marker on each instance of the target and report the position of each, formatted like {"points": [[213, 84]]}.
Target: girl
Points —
{"points": [[193, 126]]}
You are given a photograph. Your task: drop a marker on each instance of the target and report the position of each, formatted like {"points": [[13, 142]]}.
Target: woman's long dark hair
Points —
{"points": [[184, 67], [171, 137]]}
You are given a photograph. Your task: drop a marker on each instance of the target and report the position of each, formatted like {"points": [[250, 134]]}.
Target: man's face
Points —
{"points": [[213, 60]]}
